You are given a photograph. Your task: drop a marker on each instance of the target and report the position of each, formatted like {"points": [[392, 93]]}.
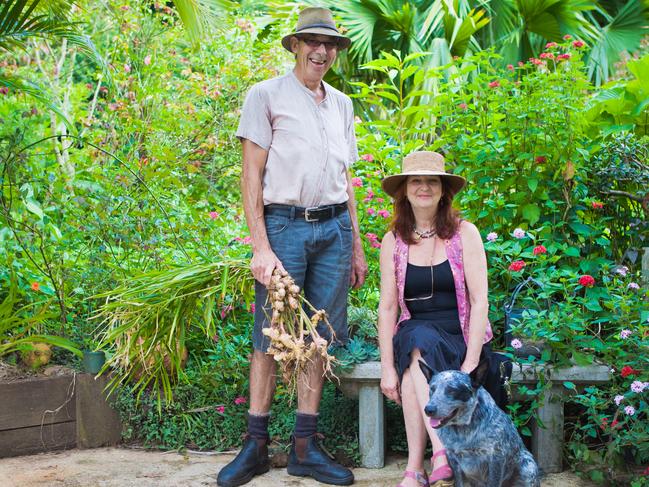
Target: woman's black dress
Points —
{"points": [[434, 327]]}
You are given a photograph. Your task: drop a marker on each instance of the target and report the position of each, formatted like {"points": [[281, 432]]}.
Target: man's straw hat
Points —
{"points": [[316, 20]]}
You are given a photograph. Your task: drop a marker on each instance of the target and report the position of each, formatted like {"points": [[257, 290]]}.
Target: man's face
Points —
{"points": [[314, 54]]}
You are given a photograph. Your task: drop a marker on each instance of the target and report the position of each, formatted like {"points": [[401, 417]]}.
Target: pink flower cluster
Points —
{"points": [[374, 240], [519, 233], [492, 236], [245, 240]]}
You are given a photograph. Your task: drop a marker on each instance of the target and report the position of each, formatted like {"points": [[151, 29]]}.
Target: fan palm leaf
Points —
{"points": [[623, 33]]}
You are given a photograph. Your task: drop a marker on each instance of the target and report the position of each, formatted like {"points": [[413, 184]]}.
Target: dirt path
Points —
{"points": [[121, 467]]}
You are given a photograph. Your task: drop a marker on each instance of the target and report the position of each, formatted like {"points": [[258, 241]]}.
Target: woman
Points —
{"points": [[434, 280]]}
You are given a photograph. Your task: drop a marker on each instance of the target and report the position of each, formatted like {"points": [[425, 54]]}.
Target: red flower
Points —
{"points": [[510, 67], [35, 286], [517, 266], [536, 61], [578, 44], [645, 471], [462, 106], [539, 249], [561, 57], [4, 90], [540, 159], [587, 281], [604, 423], [627, 370], [550, 45], [546, 55], [367, 157], [521, 63], [494, 84], [567, 37], [597, 205]]}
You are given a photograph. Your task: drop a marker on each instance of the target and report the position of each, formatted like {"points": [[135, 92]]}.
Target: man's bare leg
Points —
{"points": [[262, 382], [309, 387]]}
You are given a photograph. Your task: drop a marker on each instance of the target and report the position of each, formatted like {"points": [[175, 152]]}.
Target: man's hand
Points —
{"points": [[359, 266], [263, 264]]}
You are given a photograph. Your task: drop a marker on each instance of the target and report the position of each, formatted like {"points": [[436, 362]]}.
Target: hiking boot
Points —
{"points": [[252, 460], [308, 460]]}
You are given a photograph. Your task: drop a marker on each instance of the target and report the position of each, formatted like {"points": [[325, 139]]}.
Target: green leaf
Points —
{"points": [[34, 207], [532, 183], [569, 385], [572, 252], [582, 229], [531, 213]]}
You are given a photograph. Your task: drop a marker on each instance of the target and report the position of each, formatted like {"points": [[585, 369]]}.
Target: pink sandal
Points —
{"points": [[442, 476], [419, 477]]}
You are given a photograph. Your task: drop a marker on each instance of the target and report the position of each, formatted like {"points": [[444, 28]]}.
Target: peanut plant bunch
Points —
{"points": [[294, 339]]}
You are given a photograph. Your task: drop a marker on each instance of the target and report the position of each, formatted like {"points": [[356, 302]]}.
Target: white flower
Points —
{"points": [[492, 236], [519, 233], [618, 399], [629, 410], [516, 343], [637, 386], [624, 334], [622, 270], [633, 285]]}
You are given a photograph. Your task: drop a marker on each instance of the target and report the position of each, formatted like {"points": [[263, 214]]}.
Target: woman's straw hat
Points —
{"points": [[422, 163]]}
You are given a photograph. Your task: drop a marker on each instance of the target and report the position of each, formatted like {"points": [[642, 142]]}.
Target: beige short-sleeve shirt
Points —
{"points": [[310, 145]]}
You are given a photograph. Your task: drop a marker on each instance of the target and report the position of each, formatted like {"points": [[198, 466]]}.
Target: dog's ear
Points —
{"points": [[428, 372], [479, 374]]}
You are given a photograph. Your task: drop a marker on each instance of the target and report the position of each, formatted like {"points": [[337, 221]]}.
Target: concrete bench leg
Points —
{"points": [[547, 443], [371, 426]]}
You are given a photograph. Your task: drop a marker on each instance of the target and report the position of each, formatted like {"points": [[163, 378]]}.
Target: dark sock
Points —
{"points": [[258, 426], [305, 425]]}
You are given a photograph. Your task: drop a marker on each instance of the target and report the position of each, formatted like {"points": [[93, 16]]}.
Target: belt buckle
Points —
{"points": [[306, 214]]}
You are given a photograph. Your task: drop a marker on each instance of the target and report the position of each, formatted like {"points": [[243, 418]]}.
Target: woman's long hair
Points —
{"points": [[447, 219]]}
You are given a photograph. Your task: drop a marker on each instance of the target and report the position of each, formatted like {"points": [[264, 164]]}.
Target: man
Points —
{"points": [[298, 141]]}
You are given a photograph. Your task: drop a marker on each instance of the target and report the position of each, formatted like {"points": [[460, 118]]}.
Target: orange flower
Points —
{"points": [[35, 286]]}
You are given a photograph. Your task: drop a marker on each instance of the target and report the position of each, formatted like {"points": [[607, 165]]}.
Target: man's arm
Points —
{"points": [[264, 259], [359, 265]]}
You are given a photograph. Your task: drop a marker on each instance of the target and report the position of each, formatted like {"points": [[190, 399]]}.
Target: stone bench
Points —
{"points": [[363, 381]]}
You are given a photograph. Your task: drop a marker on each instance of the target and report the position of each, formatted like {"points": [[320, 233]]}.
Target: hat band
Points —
{"points": [[326, 26]]}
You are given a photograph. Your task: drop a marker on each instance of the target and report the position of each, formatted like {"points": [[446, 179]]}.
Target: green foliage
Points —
{"points": [[206, 415]]}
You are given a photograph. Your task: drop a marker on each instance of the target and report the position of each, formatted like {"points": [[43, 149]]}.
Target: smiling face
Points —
{"points": [[314, 55], [424, 192]]}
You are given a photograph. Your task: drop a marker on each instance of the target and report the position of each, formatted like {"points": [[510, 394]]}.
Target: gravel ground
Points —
{"points": [[122, 467]]}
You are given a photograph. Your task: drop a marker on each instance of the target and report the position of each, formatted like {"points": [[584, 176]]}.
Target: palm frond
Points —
{"points": [[22, 85], [623, 33], [199, 15]]}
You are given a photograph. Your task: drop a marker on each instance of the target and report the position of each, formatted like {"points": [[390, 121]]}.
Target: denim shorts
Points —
{"points": [[318, 256]]}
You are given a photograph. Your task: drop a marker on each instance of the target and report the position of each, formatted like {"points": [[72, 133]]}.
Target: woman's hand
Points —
{"points": [[390, 384], [468, 366]]}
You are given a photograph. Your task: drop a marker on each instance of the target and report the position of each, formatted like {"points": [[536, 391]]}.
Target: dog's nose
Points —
{"points": [[429, 410]]}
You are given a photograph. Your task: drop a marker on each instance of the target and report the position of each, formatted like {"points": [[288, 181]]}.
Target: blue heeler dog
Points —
{"points": [[482, 445]]}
